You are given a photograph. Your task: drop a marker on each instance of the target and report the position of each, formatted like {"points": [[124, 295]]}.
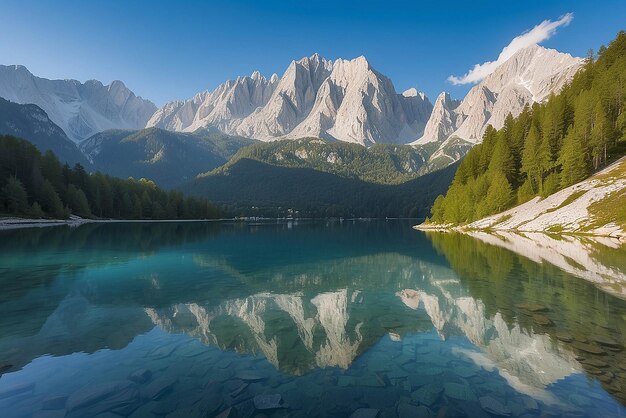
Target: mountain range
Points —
{"points": [[344, 100], [321, 119], [168, 158], [32, 123], [530, 76], [80, 109], [251, 187]]}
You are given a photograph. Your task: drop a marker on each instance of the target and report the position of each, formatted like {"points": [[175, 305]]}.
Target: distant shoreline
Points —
{"points": [[7, 223], [18, 223]]}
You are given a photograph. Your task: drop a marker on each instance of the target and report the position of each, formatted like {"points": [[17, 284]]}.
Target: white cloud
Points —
{"points": [[538, 34]]}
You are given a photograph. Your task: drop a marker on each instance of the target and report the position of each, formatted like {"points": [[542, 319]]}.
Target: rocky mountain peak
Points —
{"points": [[80, 109], [528, 76]]}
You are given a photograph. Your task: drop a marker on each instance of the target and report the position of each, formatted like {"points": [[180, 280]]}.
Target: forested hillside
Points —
{"points": [[253, 188], [168, 158], [382, 163], [548, 147], [39, 186], [30, 122]]}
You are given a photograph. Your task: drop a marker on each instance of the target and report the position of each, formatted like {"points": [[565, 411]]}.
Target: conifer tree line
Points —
{"points": [[548, 147], [39, 186]]}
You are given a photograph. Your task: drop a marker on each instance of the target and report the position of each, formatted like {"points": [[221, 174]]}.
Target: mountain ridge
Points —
{"points": [[80, 109], [311, 193], [166, 157], [529, 76], [341, 100], [31, 122]]}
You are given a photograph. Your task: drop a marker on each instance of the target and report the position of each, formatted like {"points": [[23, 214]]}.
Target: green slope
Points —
{"points": [[547, 147], [32, 185], [384, 164], [168, 158], [253, 188]]}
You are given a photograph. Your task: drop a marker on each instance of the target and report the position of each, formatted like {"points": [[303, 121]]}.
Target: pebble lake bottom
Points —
{"points": [[363, 319]]}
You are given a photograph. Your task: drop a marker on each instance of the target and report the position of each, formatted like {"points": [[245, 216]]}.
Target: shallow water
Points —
{"points": [[319, 319]]}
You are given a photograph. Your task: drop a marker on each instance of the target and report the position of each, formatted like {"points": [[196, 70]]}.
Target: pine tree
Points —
{"points": [[553, 144], [146, 205], [52, 170], [502, 159], [36, 211], [572, 160], [600, 135], [437, 210], [530, 159], [500, 194], [77, 202], [489, 140], [15, 197], [50, 201]]}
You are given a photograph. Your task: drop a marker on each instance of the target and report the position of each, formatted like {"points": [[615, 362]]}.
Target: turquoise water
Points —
{"points": [[298, 319]]}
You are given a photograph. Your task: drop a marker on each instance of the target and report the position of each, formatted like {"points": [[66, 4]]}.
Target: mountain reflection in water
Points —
{"points": [[384, 316]]}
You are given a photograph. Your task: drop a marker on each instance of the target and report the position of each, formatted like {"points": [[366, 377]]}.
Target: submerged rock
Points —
{"points": [[530, 404], [412, 411], [532, 307], [96, 399], [459, 391], [54, 402], [54, 413], [579, 400], [606, 377], [228, 413], [365, 413], [344, 381], [13, 390], [239, 390], [140, 376], [380, 398], [418, 380], [588, 348], [606, 341], [427, 394], [493, 406], [564, 337], [249, 376], [594, 362], [165, 407], [159, 388], [464, 371], [274, 401], [542, 320]]}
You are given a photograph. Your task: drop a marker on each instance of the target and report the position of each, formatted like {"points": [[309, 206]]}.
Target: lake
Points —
{"points": [[304, 319]]}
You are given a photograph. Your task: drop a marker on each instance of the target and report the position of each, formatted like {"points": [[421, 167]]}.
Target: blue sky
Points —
{"points": [[170, 50]]}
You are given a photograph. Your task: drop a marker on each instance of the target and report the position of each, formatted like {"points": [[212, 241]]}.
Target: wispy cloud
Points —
{"points": [[538, 34]]}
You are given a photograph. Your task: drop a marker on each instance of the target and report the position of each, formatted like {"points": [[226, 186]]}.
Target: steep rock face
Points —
{"points": [[31, 123], [442, 121], [291, 102], [345, 100], [358, 104], [223, 108], [528, 77], [80, 109]]}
